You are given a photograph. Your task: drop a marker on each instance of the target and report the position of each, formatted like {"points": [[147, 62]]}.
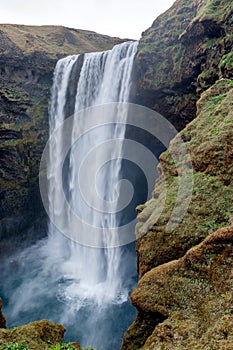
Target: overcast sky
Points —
{"points": [[123, 18]]}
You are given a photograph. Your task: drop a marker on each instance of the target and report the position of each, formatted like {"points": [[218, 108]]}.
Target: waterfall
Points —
{"points": [[94, 274], [82, 280], [104, 77], [81, 274]]}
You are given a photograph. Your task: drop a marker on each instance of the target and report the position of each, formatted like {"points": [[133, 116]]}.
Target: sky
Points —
{"points": [[121, 18]]}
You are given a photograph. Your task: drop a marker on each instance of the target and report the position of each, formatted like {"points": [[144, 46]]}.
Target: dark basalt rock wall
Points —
{"points": [[2, 317], [27, 60], [24, 95]]}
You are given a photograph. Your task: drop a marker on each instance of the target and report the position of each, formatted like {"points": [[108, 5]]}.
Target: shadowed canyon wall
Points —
{"points": [[27, 60]]}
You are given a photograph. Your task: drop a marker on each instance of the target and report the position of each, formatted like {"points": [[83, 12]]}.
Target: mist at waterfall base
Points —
{"points": [[85, 289], [41, 283]]}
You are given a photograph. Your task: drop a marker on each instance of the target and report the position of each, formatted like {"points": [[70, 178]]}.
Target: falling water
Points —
{"points": [[104, 78], [86, 288]]}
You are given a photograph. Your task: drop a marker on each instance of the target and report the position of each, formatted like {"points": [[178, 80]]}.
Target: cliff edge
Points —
{"points": [[180, 55], [184, 294]]}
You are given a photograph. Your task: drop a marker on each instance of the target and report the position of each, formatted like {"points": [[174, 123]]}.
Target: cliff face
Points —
{"points": [[180, 56], [27, 59], [189, 300], [184, 294], [178, 296], [2, 317], [209, 140]]}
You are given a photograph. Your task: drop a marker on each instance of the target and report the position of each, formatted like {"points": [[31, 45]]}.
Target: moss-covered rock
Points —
{"points": [[38, 335], [193, 295], [209, 141], [186, 274], [34, 336], [181, 55], [184, 71]]}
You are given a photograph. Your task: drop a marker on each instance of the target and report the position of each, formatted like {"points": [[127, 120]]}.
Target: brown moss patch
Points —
{"points": [[195, 293], [36, 335], [209, 140]]}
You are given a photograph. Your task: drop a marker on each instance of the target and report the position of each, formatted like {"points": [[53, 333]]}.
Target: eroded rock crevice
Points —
{"points": [[141, 329]]}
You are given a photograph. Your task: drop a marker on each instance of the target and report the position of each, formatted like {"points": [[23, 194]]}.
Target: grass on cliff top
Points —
{"points": [[160, 45], [167, 27], [57, 40], [216, 10]]}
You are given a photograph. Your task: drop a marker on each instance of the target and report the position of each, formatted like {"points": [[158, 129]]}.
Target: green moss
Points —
{"points": [[147, 47], [208, 142], [15, 94], [194, 293], [160, 45], [22, 346], [191, 295], [210, 43], [227, 60], [14, 346], [12, 143], [62, 346], [216, 10], [21, 179], [206, 74], [11, 126]]}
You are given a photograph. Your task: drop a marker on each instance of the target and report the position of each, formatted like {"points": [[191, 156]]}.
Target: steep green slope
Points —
{"points": [[184, 294], [209, 140], [179, 56]]}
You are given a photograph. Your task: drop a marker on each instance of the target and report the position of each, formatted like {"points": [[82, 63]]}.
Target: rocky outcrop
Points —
{"points": [[2, 317], [27, 59], [161, 292], [43, 335], [209, 140], [184, 293], [184, 52], [34, 336], [191, 298]]}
